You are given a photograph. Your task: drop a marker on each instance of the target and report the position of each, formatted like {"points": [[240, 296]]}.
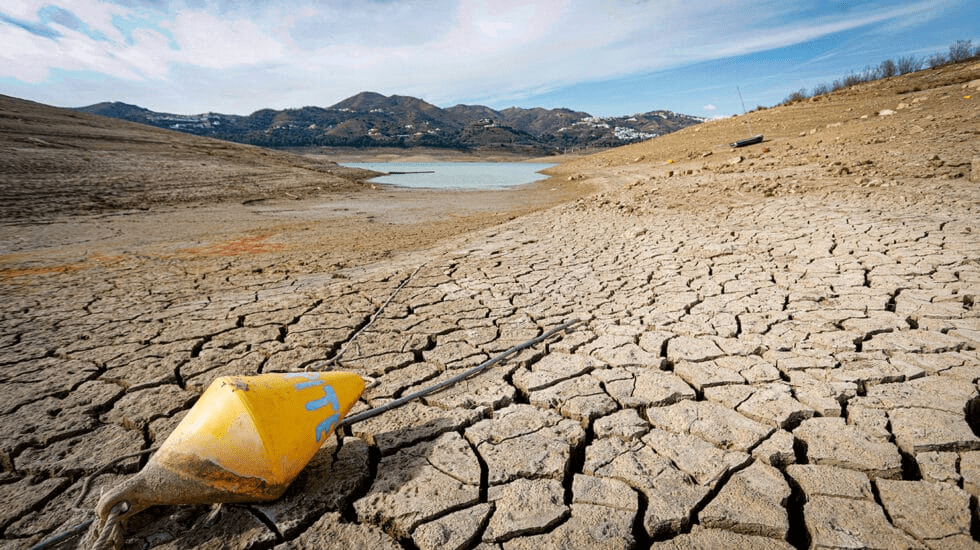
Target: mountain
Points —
{"points": [[370, 119]]}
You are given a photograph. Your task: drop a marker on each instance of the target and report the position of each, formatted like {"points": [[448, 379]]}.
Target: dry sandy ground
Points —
{"points": [[778, 347], [75, 187]]}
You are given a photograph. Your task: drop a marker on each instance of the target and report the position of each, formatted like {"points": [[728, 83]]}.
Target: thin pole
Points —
{"points": [[744, 112]]}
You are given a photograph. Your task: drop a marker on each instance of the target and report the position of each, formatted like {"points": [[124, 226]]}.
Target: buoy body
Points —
{"points": [[245, 440]]}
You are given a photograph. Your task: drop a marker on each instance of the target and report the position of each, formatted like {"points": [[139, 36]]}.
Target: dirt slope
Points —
{"points": [[56, 161], [912, 136]]}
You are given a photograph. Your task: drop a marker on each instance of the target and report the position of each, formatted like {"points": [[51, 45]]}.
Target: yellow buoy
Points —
{"points": [[245, 440]]}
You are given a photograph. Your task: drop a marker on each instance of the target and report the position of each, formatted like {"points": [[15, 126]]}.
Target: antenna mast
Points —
{"points": [[751, 131]]}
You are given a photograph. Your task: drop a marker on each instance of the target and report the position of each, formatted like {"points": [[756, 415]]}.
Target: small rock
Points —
{"points": [[736, 160], [886, 112]]}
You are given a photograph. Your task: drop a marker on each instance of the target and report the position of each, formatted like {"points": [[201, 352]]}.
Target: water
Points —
{"points": [[456, 175]]}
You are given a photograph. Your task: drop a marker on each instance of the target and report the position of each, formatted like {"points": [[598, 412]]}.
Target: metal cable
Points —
{"points": [[450, 381]]}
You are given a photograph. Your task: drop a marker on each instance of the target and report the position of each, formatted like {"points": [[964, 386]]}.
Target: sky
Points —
{"points": [[605, 57]]}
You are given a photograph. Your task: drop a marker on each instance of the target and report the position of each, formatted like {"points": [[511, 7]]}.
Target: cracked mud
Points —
{"points": [[784, 367]]}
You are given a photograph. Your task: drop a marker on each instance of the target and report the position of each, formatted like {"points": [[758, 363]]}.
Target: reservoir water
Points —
{"points": [[455, 175]]}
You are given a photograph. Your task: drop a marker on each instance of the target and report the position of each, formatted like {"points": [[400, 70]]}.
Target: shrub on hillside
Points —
{"points": [[961, 51], [909, 64], [887, 68], [937, 60], [796, 96]]}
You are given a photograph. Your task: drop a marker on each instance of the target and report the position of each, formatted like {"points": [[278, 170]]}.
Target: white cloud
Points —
{"points": [[710, 107], [488, 50], [212, 42]]}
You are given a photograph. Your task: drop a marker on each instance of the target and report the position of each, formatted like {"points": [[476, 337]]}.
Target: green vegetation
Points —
{"points": [[962, 50]]}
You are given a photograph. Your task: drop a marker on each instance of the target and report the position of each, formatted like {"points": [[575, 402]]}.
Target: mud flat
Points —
{"points": [[778, 349]]}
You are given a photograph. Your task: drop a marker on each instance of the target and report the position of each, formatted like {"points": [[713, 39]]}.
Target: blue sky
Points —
{"points": [[606, 57]]}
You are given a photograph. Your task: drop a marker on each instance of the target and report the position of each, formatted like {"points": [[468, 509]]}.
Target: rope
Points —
{"points": [[450, 381], [91, 477], [374, 316], [77, 504], [111, 536]]}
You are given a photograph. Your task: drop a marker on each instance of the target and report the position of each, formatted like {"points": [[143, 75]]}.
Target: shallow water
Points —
{"points": [[456, 175]]}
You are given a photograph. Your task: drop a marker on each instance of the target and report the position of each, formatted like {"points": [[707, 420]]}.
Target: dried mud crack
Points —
{"points": [[776, 352]]}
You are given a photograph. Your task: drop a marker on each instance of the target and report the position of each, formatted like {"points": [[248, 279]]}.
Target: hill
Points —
{"points": [[57, 161], [911, 136], [370, 119]]}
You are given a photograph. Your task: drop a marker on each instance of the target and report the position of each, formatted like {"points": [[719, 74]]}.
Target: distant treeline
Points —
{"points": [[962, 50]]}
